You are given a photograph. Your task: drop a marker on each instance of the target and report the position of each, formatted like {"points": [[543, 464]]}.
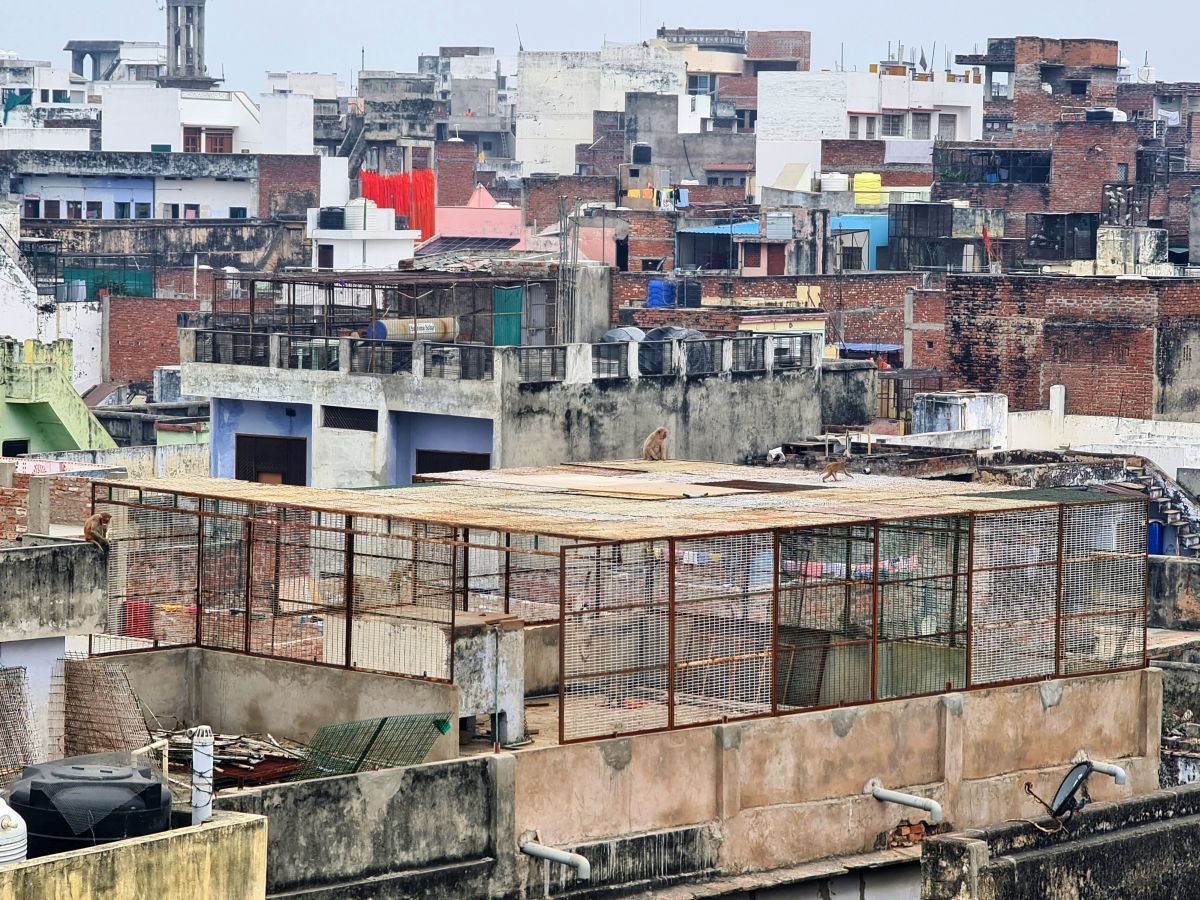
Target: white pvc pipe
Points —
{"points": [[202, 774], [1116, 772], [931, 806], [583, 868]]}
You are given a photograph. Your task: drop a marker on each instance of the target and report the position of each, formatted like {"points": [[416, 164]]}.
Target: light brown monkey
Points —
{"points": [[655, 447], [95, 530], [831, 471]]}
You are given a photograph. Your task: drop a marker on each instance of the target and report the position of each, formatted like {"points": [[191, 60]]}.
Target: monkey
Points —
{"points": [[95, 530], [831, 471], [655, 447]]}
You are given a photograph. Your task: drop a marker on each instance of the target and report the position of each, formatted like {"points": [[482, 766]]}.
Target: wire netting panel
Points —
{"points": [[222, 583], [1104, 585], [152, 566], [404, 591], [922, 574], [93, 709], [1014, 596], [614, 639], [371, 744], [724, 593], [823, 653], [18, 746], [515, 574]]}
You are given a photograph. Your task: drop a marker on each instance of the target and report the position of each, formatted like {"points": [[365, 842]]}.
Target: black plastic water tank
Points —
{"points": [[332, 218], [641, 154], [69, 807]]}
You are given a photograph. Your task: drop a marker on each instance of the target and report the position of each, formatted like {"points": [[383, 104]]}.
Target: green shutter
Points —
{"points": [[507, 306]]}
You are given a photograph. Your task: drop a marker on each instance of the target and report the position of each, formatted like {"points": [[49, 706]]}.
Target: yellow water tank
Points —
{"points": [[868, 189]]}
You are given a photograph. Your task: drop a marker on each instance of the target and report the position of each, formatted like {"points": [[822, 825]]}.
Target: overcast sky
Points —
{"points": [[248, 37]]}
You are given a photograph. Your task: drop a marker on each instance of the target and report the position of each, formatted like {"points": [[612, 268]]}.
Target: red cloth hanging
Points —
{"points": [[411, 194]]}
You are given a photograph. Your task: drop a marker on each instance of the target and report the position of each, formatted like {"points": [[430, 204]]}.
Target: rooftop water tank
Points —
{"points": [[14, 837], [623, 334], [835, 181], [357, 215], [70, 806], [441, 329]]}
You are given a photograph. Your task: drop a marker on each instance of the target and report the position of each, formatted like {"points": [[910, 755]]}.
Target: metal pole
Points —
{"points": [[671, 633], [348, 591]]}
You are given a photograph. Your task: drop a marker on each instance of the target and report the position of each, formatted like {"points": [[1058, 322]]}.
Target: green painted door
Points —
{"points": [[507, 305]]}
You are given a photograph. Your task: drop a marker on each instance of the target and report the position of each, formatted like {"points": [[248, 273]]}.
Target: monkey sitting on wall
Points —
{"points": [[831, 471], [95, 530], [654, 449]]}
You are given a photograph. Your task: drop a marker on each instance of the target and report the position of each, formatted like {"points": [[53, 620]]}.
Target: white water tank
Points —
{"points": [[357, 214], [835, 181], [14, 836]]}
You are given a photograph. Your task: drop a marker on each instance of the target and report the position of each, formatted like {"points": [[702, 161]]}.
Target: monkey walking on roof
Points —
{"points": [[837, 466], [655, 447], [95, 530]]}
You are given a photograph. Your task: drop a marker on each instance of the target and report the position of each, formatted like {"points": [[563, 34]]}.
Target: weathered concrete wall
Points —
{"points": [[541, 659], [433, 831], [848, 390], [143, 462], [1174, 592], [52, 590], [226, 857], [778, 801], [238, 694], [1142, 848]]}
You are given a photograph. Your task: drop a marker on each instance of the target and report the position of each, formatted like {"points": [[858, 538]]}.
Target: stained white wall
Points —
{"points": [[559, 91]]}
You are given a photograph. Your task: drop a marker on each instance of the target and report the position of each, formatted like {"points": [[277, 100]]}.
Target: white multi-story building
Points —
{"points": [[893, 102], [34, 94], [559, 92], [143, 117]]}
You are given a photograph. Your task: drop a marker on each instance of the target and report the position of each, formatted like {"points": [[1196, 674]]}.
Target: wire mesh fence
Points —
{"points": [[671, 633], [381, 357], [233, 348], [465, 362], [750, 354], [314, 353], [541, 364], [703, 357], [794, 351]]}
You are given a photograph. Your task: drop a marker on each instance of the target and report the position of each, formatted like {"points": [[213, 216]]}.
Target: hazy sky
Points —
{"points": [[248, 37]]}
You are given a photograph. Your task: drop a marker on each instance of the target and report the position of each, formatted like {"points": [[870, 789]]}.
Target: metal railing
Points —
{"points": [[610, 360], [703, 357], [462, 362], [316, 353], [750, 354], [236, 348], [656, 358], [794, 352], [381, 357], [542, 364]]}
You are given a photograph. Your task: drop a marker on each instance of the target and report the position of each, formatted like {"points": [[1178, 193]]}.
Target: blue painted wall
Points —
{"points": [[411, 432], [877, 225], [233, 417], [108, 191]]}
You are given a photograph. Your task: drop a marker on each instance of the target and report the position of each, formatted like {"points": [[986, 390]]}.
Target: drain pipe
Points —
{"points": [[1117, 773], [583, 868], [879, 792]]}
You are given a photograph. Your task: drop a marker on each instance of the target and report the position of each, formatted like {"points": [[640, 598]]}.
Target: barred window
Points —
{"points": [[349, 418]]}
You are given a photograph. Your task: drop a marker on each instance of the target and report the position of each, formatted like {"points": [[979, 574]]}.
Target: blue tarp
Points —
{"points": [[738, 228]]}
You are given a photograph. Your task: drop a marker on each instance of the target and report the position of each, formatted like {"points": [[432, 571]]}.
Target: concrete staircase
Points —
{"points": [[37, 377], [1176, 506]]}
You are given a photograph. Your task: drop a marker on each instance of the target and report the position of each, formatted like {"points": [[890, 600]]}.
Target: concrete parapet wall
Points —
{"points": [[52, 590], [226, 857]]}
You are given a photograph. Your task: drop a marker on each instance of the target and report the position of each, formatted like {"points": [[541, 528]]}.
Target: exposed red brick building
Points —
{"points": [[142, 335], [454, 162], [540, 195]]}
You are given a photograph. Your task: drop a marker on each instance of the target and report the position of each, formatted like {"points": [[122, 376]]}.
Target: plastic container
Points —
{"points": [[660, 293], [14, 836]]}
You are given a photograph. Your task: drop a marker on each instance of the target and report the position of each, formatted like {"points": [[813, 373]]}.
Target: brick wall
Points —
{"points": [[1020, 335], [651, 238], [13, 512], [927, 329], [721, 196], [142, 334], [840, 155], [605, 152], [540, 195], [740, 90], [455, 172], [178, 283], [70, 500], [795, 45], [865, 308], [288, 186]]}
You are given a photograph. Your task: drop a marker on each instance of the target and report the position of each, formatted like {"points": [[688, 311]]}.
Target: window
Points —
{"points": [[713, 181], [74, 209], [191, 211], [929, 345], [53, 209], [752, 254], [237, 212], [45, 96], [120, 210], [62, 96], [851, 259], [14, 448], [870, 128], [32, 210], [95, 209], [485, 145], [727, 182], [635, 173], [947, 127], [893, 125], [1077, 88], [170, 210], [854, 128], [920, 126], [992, 166], [1123, 172], [997, 125], [141, 210], [191, 140], [324, 256], [747, 119], [218, 142], [700, 84], [349, 418], [652, 265]]}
